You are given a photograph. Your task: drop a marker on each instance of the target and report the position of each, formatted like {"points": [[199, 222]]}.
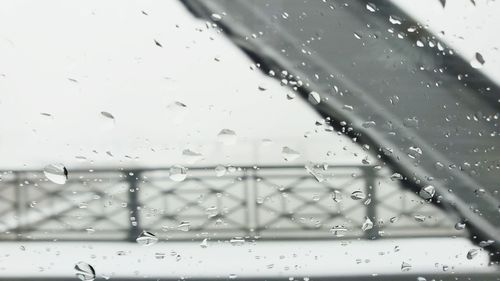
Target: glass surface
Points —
{"points": [[249, 140]]}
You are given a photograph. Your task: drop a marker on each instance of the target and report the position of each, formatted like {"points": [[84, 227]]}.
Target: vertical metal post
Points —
{"points": [[132, 178], [20, 205], [371, 208], [250, 185]]}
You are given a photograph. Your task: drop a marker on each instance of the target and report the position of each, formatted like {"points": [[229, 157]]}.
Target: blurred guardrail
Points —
{"points": [[272, 202]]}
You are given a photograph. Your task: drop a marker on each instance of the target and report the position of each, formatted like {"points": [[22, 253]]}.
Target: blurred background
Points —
{"points": [[253, 140]]}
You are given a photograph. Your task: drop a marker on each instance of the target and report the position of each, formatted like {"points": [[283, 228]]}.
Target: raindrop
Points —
{"points": [[178, 173], [414, 152], [427, 192], [84, 271], [368, 124], [313, 172], [216, 17], [314, 98], [358, 195], [368, 224], [227, 137], [212, 211], [348, 107], [396, 176], [357, 35], [460, 225], [394, 20], [337, 196], [371, 7], [289, 154], [338, 231], [220, 171], [472, 253], [178, 111], [204, 243], [108, 115], [190, 156], [486, 243], [405, 266], [146, 238], [410, 122], [237, 241], [419, 218], [56, 173], [184, 226], [478, 61]]}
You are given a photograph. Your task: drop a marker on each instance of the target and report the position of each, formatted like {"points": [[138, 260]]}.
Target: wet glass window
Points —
{"points": [[294, 140]]}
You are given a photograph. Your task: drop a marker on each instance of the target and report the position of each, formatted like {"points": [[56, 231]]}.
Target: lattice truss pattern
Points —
{"points": [[265, 203]]}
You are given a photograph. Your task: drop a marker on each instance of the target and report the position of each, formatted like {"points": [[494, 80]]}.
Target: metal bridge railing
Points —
{"points": [[272, 202]]}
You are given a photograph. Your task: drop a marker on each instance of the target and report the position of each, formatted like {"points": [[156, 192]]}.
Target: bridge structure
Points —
{"points": [[265, 203]]}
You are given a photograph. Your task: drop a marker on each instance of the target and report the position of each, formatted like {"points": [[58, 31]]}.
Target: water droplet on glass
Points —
{"points": [[394, 20], [184, 226], [178, 173], [357, 35], [348, 107], [460, 226], [227, 137], [368, 224], [237, 241], [204, 243], [486, 243], [427, 192], [220, 171], [421, 278], [313, 172], [337, 196], [338, 231], [108, 120], [419, 218], [314, 98], [478, 61], [396, 176], [177, 111], [191, 157], [289, 154], [216, 17], [405, 266], [371, 7], [358, 195], [56, 173], [107, 115], [410, 122], [84, 271], [368, 124], [212, 211], [146, 238], [472, 253], [414, 152]]}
